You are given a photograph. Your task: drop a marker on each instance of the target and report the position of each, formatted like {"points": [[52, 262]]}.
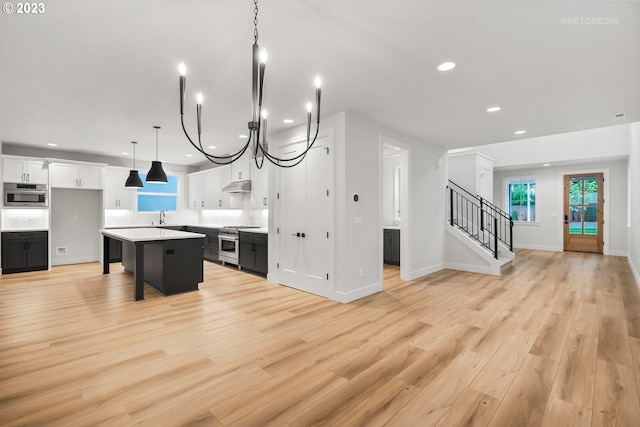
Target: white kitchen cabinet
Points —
{"points": [[75, 175], [241, 169], [222, 177], [205, 189], [193, 184], [201, 188], [32, 171], [260, 186], [116, 195]]}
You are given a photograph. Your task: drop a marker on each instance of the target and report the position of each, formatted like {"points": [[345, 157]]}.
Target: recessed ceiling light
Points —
{"points": [[546, 164], [520, 132], [124, 154], [446, 66], [212, 146], [52, 144], [287, 121], [493, 109], [243, 136], [189, 155]]}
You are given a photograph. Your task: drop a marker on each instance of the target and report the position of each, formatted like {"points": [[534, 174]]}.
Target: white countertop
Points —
{"points": [[149, 234], [255, 230], [391, 227], [18, 230]]}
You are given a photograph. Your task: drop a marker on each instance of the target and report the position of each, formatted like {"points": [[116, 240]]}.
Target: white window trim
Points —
{"points": [[505, 195]]}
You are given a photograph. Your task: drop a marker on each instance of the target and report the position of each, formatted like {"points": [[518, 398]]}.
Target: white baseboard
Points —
{"points": [[634, 270], [538, 247], [425, 271], [346, 297], [76, 260], [618, 253], [468, 267]]}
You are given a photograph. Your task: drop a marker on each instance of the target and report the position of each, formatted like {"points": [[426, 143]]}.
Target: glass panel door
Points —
{"points": [[583, 213]]}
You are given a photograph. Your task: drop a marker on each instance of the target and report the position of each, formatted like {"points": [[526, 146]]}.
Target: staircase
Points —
{"points": [[480, 235]]}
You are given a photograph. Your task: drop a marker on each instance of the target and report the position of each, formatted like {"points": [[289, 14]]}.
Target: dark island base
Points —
{"points": [[171, 267]]}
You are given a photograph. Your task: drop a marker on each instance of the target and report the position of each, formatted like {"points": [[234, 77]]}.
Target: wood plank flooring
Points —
{"points": [[553, 342]]}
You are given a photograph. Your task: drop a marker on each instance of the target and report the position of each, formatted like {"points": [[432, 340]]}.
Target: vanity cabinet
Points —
{"points": [[391, 246]]}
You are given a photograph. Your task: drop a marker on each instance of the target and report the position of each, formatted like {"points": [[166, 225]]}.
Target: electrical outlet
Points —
{"points": [[361, 273], [61, 250]]}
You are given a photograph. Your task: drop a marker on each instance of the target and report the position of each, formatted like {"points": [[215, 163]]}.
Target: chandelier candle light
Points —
{"points": [[258, 124]]}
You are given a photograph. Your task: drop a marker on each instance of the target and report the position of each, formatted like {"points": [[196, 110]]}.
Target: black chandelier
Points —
{"points": [[258, 124]]}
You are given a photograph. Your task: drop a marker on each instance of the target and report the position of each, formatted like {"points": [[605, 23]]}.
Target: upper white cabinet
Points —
{"points": [[205, 189], [259, 186], [31, 171], [222, 177], [116, 195], [241, 169], [201, 190], [75, 175]]}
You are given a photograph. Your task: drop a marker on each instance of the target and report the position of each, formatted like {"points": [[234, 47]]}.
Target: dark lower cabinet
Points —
{"points": [[115, 250], [25, 251], [211, 246], [174, 266], [253, 254], [391, 246]]}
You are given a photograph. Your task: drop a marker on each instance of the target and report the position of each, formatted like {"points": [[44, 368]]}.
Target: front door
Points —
{"points": [[583, 212]]}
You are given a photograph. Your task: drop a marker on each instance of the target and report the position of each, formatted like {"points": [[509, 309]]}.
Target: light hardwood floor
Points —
{"points": [[554, 342]]}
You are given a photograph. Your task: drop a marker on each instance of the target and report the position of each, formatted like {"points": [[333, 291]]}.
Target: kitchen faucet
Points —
{"points": [[162, 220]]}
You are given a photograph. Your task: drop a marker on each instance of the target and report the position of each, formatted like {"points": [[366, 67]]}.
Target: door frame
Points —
{"points": [[605, 210]]}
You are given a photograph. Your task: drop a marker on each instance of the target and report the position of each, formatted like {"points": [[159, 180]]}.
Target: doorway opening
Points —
{"points": [[394, 207]]}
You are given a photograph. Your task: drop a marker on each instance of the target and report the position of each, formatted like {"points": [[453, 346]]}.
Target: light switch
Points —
{"points": [[359, 220]]}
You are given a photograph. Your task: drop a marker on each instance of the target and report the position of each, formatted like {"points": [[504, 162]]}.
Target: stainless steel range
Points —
{"points": [[229, 245]]}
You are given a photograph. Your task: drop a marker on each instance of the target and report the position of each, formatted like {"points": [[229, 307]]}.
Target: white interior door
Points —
{"points": [[303, 219]]}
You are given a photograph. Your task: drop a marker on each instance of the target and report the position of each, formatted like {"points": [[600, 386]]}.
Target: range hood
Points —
{"points": [[238, 187]]}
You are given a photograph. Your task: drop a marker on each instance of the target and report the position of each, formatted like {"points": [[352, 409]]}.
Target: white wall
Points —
{"points": [[579, 147], [546, 233], [634, 182], [472, 170], [75, 223], [357, 169], [422, 228]]}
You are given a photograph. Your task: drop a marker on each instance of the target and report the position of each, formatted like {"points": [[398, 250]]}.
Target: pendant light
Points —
{"points": [[156, 173], [134, 179]]}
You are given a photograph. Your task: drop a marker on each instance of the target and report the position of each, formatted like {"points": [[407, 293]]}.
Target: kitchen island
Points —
{"points": [[171, 261]]}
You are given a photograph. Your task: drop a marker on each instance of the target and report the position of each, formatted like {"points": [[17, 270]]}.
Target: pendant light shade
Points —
{"points": [[156, 173], [134, 179]]}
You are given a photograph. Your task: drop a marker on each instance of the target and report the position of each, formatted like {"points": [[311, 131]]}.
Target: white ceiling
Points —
{"points": [[94, 75]]}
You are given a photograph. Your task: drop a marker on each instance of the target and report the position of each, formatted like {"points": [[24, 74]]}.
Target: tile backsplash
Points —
{"points": [[25, 219]]}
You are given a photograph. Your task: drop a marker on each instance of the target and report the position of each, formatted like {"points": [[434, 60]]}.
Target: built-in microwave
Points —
{"points": [[18, 194]]}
